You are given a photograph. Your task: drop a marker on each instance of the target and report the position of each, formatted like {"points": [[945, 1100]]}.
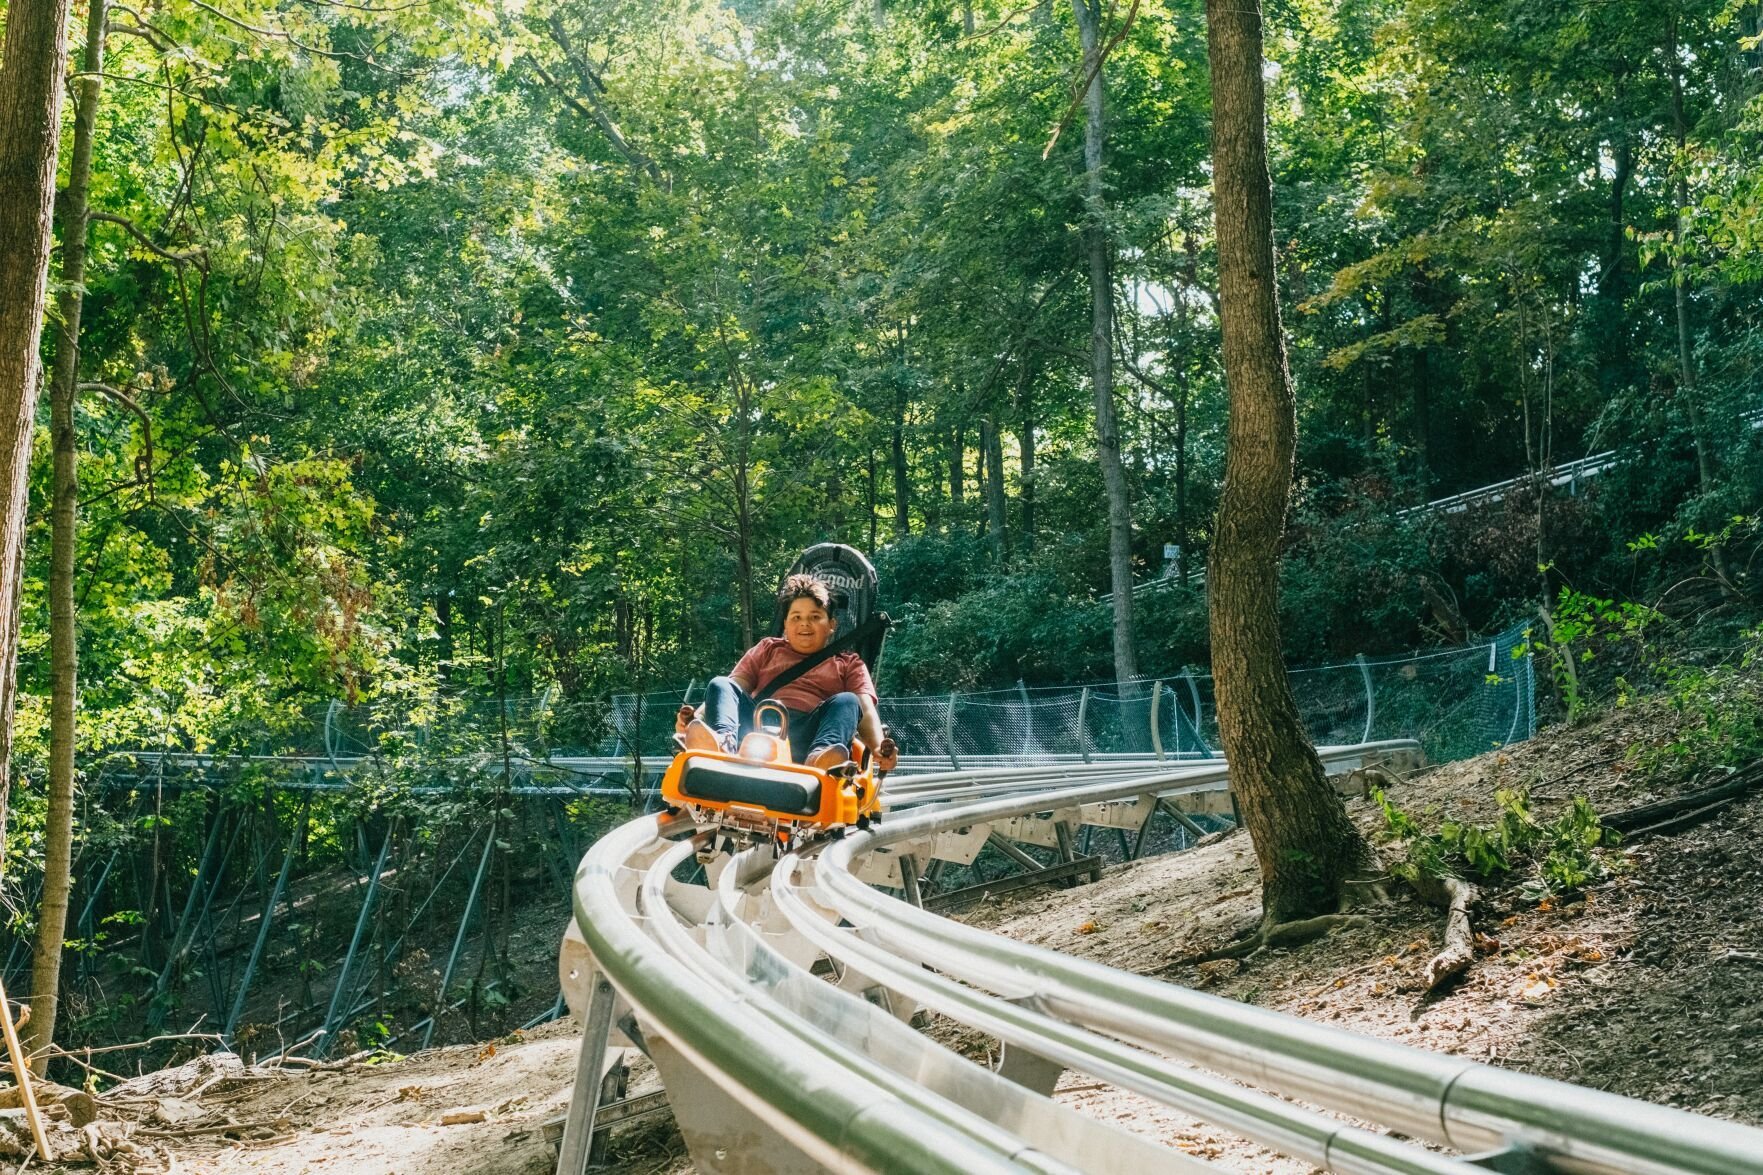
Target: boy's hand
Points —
{"points": [[887, 756], [686, 713]]}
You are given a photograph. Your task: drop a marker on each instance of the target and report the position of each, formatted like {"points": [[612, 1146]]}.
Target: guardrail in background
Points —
{"points": [[672, 967]]}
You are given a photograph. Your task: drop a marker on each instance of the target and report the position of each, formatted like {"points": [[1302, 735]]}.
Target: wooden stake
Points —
{"points": [[21, 1071]]}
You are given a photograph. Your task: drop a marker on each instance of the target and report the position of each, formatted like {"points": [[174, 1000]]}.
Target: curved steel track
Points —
{"points": [[775, 999]]}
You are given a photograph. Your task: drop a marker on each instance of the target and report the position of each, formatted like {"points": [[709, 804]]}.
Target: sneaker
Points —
{"points": [[829, 759], [699, 737]]}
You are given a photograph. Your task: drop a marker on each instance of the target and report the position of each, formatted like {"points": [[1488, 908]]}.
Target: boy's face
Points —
{"points": [[807, 626]]}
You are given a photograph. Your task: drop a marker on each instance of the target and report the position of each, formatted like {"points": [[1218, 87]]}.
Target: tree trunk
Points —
{"points": [[1306, 845], [1089, 25], [871, 502], [902, 487], [1686, 360], [992, 453], [39, 1033], [1184, 558], [957, 467], [1025, 410], [32, 63]]}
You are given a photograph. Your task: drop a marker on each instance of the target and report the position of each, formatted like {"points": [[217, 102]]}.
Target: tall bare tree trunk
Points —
{"points": [[1686, 359], [992, 455], [1097, 244], [1306, 845], [957, 468], [1025, 408], [31, 66], [64, 652], [902, 478]]}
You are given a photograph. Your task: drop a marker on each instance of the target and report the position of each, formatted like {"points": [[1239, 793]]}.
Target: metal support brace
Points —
{"points": [[1014, 853], [949, 732], [1156, 713], [578, 1127], [1182, 818], [1083, 730], [275, 896], [332, 1015], [909, 879], [477, 884], [1370, 697]]}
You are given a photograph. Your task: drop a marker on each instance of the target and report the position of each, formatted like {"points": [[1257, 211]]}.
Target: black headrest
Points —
{"points": [[851, 579]]}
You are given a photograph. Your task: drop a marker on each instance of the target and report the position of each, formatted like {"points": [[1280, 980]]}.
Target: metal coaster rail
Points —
{"points": [[772, 1067]]}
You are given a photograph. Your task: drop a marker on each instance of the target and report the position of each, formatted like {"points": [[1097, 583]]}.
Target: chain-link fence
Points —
{"points": [[1457, 702]]}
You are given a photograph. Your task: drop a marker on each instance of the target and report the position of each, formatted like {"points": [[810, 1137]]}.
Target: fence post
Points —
{"points": [[1028, 719], [1156, 709], [1370, 697], [949, 732], [1083, 728], [1187, 675]]}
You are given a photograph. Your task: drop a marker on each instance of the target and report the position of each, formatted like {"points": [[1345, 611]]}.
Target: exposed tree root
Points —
{"points": [[1279, 934]]}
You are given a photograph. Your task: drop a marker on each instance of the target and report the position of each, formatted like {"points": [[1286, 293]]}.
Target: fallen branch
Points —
{"points": [[1680, 812], [1459, 949], [220, 1128]]}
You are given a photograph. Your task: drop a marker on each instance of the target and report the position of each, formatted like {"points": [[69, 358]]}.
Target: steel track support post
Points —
{"points": [[182, 938], [1083, 726], [578, 1127], [477, 884], [1138, 844], [275, 897], [909, 879], [1062, 834], [1156, 714], [1370, 696], [331, 1022]]}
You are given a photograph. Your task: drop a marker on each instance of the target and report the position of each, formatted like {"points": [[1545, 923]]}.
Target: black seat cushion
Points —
{"points": [[781, 791]]}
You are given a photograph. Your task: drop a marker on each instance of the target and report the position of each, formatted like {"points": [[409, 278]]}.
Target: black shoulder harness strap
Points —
{"points": [[877, 623]]}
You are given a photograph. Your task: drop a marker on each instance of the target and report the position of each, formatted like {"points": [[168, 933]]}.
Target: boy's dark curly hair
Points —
{"points": [[804, 587]]}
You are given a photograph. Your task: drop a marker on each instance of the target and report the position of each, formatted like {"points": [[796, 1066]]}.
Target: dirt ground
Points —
{"points": [[1649, 985]]}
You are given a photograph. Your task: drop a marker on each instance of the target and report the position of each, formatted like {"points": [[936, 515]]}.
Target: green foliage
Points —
{"points": [[1720, 710], [1561, 856]]}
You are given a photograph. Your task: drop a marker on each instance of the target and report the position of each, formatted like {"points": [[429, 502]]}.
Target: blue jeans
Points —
{"points": [[728, 710]]}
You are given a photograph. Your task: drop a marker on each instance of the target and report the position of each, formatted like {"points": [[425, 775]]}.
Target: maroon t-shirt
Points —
{"points": [[837, 674]]}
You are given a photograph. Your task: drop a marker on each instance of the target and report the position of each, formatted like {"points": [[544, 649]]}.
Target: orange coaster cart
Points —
{"points": [[758, 791]]}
